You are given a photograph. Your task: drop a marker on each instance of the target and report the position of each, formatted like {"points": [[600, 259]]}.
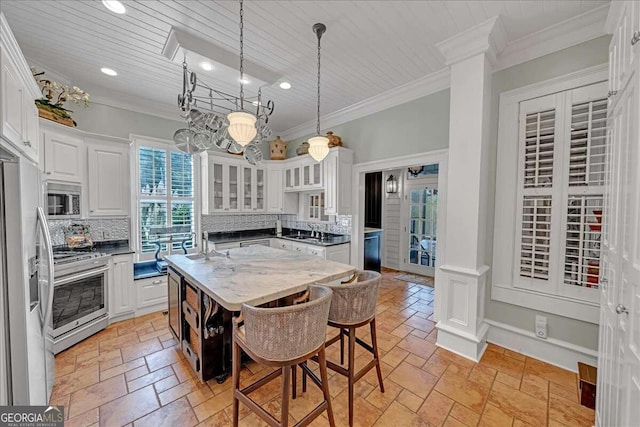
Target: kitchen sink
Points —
{"points": [[194, 257]]}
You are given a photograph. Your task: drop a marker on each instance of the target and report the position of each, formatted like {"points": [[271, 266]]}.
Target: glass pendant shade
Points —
{"points": [[319, 147], [242, 127]]}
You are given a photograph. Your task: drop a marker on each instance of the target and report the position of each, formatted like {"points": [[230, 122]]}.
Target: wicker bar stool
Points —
{"points": [[354, 305], [283, 337]]}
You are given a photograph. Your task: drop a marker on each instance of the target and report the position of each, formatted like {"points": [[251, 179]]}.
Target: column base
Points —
{"points": [[462, 343]]}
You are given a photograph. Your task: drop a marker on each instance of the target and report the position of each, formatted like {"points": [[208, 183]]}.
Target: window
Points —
{"points": [[165, 199], [549, 196]]}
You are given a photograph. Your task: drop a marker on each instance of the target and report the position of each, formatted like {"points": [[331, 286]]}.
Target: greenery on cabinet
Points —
{"points": [[55, 95]]}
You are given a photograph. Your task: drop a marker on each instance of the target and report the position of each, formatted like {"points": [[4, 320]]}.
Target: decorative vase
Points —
{"points": [[334, 140], [303, 149], [55, 114], [278, 149]]}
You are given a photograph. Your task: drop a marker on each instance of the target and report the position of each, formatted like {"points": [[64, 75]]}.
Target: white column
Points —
{"points": [[461, 285]]}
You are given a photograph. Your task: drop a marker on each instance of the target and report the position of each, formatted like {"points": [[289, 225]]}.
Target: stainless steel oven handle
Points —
{"points": [[72, 278]]}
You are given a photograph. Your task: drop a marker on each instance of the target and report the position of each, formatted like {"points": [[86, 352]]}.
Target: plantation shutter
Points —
{"points": [[586, 176]]}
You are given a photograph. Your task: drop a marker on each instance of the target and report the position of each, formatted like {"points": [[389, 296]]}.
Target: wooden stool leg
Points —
{"points": [[374, 343], [236, 382], [294, 380], [304, 378], [351, 368], [284, 412], [341, 346], [325, 385]]}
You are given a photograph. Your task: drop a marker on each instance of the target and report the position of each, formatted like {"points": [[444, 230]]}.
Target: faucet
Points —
{"points": [[205, 247]]}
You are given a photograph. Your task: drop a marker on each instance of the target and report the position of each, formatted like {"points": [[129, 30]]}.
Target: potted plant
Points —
{"points": [[50, 107]]}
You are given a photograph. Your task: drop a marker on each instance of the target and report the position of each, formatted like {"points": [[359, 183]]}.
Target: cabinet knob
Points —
{"points": [[27, 143], [48, 173], [636, 37], [157, 282], [612, 93]]}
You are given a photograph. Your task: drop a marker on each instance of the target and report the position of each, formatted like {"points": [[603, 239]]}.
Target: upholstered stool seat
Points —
{"points": [[283, 337]]}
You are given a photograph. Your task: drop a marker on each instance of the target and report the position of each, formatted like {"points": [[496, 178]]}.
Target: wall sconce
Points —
{"points": [[392, 184]]}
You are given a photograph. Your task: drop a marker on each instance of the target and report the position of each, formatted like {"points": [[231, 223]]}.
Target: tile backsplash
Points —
{"points": [[101, 229], [232, 222]]}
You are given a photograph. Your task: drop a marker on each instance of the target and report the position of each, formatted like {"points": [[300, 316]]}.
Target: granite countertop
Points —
{"points": [[114, 247], [372, 230], [288, 234], [256, 274]]}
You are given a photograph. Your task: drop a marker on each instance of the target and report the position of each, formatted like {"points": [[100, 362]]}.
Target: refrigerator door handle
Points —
{"points": [[45, 312]]}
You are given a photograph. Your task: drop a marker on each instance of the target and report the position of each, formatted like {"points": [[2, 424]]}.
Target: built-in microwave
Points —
{"points": [[63, 200]]}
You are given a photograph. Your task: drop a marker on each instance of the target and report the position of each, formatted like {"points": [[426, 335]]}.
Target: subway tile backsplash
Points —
{"points": [[101, 229], [233, 222]]}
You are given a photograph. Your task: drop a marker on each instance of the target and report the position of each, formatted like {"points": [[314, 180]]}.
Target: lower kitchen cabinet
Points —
{"points": [[151, 294], [339, 253], [122, 302], [372, 251]]}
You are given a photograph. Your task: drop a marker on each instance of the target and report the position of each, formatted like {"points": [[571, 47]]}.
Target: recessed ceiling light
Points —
{"points": [[206, 66], [285, 85], [108, 71], [114, 6], [244, 81]]}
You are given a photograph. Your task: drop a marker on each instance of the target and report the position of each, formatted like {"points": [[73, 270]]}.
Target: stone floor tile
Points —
{"points": [[177, 413], [129, 407], [518, 404], [436, 408]]}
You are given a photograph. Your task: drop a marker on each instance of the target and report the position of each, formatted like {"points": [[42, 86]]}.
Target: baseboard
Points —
{"points": [[151, 309], [556, 352]]}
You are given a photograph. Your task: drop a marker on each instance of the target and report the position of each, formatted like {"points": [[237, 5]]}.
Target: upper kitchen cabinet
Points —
{"points": [[253, 189], [18, 113], [277, 200], [108, 180], [221, 184], [337, 181], [64, 152]]}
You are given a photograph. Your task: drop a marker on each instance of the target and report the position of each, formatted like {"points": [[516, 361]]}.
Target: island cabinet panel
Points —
{"points": [[206, 333]]}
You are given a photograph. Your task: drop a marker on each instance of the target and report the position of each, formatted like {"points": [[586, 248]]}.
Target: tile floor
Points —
{"points": [[132, 373]]}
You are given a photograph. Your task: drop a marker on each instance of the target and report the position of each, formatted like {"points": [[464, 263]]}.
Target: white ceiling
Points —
{"points": [[370, 46]]}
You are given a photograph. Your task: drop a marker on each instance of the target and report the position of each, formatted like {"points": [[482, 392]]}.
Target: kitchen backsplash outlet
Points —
{"points": [[101, 229], [233, 222]]}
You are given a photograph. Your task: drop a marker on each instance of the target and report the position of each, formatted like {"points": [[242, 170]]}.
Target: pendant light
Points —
{"points": [[319, 145], [242, 125]]}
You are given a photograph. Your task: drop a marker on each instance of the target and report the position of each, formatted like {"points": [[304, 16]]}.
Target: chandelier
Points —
{"points": [[318, 145], [216, 118]]}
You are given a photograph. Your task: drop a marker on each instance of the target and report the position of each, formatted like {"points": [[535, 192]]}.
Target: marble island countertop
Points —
{"points": [[256, 274]]}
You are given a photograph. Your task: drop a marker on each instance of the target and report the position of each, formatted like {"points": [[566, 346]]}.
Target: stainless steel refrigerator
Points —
{"points": [[26, 285]]}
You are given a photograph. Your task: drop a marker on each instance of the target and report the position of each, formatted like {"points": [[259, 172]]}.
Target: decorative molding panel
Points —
{"points": [[550, 350]]}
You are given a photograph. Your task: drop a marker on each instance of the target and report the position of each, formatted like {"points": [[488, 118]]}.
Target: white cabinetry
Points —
{"points": [[277, 200], [293, 175], [121, 296], [151, 294], [18, 90], [108, 178], [253, 189], [63, 155], [311, 174], [339, 253], [337, 181], [221, 184]]}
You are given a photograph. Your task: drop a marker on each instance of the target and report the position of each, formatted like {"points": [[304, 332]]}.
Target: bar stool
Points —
{"points": [[283, 337], [353, 305]]}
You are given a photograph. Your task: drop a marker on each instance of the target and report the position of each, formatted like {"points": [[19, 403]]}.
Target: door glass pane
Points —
{"points": [[287, 174], [423, 204], [296, 177], [316, 173], [260, 189], [217, 186], [248, 189], [306, 175], [234, 176]]}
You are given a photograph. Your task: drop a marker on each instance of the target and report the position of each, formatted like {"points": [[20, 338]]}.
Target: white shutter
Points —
{"points": [[588, 143], [538, 148], [582, 251], [535, 240]]}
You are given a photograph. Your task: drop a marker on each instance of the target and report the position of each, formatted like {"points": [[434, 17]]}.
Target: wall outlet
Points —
{"points": [[541, 327]]}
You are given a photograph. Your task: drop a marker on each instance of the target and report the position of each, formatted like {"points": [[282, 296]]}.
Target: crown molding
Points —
{"points": [[487, 37], [613, 17], [578, 29], [431, 83]]}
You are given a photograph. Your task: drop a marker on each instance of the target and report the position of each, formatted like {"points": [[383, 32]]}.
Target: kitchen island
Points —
{"points": [[205, 293]]}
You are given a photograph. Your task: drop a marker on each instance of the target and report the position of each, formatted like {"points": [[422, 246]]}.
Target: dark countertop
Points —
{"points": [[266, 233]]}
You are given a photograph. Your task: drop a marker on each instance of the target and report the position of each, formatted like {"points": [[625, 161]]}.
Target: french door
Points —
{"points": [[421, 220], [618, 394]]}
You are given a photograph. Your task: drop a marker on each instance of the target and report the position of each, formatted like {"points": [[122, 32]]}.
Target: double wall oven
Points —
{"points": [[79, 296]]}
